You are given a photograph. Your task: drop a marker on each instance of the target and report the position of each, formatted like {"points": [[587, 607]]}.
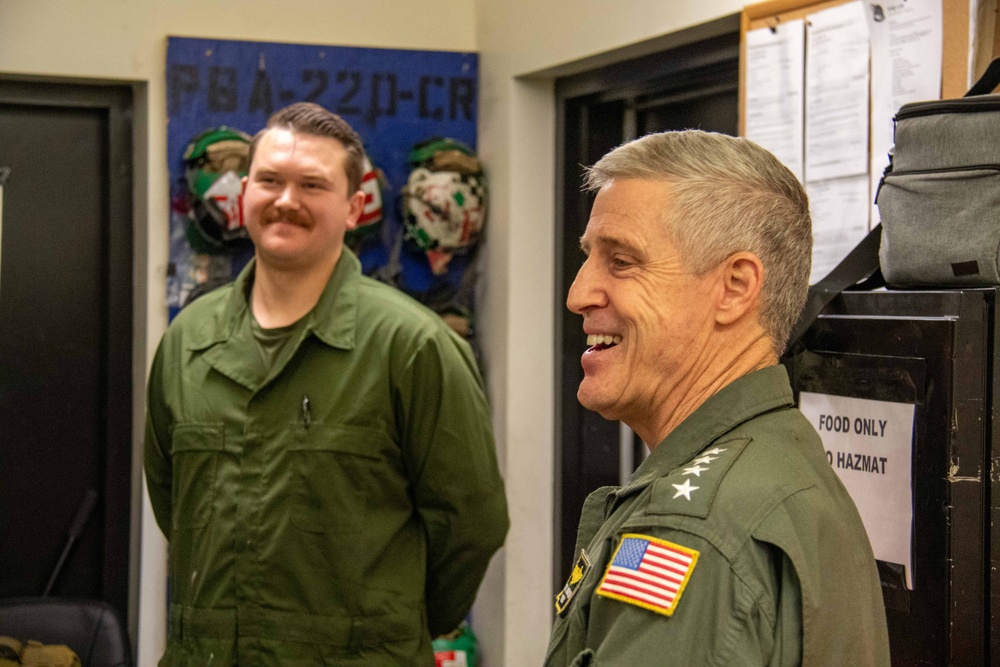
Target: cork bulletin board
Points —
{"points": [[955, 58], [820, 91]]}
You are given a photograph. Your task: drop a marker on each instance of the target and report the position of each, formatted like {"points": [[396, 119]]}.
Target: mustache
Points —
{"points": [[274, 215]]}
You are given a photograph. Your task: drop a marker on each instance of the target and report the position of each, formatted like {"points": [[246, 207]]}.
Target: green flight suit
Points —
{"points": [[784, 573], [339, 509]]}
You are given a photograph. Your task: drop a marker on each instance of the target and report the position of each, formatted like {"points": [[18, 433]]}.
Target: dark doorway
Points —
{"points": [[692, 83], [65, 339]]}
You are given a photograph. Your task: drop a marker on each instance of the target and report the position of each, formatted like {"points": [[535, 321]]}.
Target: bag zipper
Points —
{"points": [[938, 170], [962, 105]]}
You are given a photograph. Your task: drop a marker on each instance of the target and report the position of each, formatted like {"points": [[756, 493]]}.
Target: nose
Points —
{"points": [[586, 292], [288, 199]]}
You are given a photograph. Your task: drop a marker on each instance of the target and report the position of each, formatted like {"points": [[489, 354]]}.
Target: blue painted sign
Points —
{"points": [[393, 98]]}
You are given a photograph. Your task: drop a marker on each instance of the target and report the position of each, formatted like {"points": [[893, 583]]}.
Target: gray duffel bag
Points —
{"points": [[939, 199]]}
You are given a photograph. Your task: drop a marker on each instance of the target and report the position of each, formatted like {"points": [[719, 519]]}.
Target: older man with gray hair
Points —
{"points": [[734, 543]]}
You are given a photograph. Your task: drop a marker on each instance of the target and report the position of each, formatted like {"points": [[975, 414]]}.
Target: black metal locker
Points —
{"points": [[935, 350]]}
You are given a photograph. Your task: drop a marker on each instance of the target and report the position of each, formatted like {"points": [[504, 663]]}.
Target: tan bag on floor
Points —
{"points": [[35, 654]]}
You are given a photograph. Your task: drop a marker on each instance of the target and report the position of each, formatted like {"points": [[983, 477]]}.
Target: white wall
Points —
{"points": [[521, 42], [125, 41]]}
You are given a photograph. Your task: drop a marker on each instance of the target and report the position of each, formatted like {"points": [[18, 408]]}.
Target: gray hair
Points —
{"points": [[727, 195]]}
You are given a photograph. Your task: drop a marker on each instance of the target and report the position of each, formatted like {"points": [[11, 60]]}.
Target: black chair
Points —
{"points": [[91, 628]]}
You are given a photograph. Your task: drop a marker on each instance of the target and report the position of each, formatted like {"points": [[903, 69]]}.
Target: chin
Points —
{"points": [[596, 403]]}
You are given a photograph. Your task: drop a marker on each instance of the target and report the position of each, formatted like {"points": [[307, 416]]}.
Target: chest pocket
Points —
{"points": [[334, 476], [195, 451]]}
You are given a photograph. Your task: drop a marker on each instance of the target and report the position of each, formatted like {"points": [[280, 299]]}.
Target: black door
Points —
{"points": [[694, 85], [65, 340]]}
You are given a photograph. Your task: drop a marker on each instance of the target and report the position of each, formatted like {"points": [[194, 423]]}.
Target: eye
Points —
{"points": [[619, 262]]}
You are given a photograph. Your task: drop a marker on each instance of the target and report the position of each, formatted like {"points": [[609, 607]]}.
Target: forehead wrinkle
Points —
{"points": [[613, 243]]}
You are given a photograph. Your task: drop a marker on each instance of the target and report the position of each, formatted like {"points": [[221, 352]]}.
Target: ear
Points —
{"points": [[741, 276], [356, 205]]}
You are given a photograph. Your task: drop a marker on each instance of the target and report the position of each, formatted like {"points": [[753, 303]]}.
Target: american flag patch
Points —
{"points": [[649, 573]]}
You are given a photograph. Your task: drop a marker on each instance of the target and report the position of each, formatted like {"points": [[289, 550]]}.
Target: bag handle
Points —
{"points": [[988, 81], [860, 270]]}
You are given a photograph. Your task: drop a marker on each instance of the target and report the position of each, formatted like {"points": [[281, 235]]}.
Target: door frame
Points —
{"points": [[697, 51], [120, 583]]}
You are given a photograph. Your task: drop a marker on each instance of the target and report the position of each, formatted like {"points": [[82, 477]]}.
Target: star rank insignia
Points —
{"points": [[573, 583], [684, 489], [695, 470], [690, 488]]}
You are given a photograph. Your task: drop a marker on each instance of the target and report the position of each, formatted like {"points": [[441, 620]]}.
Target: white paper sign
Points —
{"points": [[774, 91], [869, 445], [906, 67], [836, 141], [839, 211]]}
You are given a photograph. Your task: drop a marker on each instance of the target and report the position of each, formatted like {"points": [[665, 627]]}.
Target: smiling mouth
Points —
{"points": [[598, 342]]}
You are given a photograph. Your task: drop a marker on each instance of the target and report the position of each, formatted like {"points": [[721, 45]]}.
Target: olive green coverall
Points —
{"points": [[782, 573], [338, 508]]}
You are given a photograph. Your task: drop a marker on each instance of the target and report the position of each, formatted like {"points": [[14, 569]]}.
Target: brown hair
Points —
{"points": [[309, 118]]}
